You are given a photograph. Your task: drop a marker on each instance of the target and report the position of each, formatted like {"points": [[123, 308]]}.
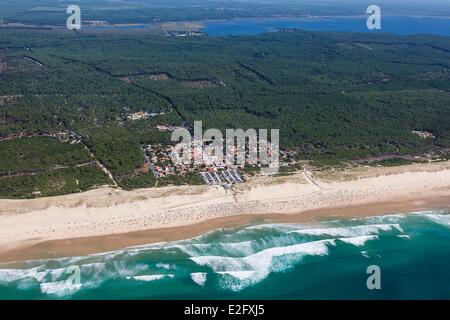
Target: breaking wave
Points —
{"points": [[223, 260]]}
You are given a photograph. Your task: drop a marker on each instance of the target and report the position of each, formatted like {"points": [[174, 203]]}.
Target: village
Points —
{"points": [[213, 170], [159, 160]]}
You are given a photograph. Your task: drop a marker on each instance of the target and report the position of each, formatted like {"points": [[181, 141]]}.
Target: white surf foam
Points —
{"points": [[358, 241], [165, 266], [39, 274], [272, 226], [386, 219], [262, 263], [12, 275], [59, 288], [346, 232], [241, 275], [199, 278], [231, 248], [152, 277], [442, 219]]}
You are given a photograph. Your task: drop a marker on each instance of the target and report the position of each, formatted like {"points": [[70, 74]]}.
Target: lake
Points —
{"points": [[389, 24]]}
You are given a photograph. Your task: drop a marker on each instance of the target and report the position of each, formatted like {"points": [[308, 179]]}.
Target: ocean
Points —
{"points": [[402, 25], [326, 260]]}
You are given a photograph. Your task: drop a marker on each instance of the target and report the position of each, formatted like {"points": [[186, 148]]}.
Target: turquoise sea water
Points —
{"points": [[403, 25], [326, 260]]}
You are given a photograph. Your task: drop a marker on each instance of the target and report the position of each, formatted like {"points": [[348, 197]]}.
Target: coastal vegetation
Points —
{"points": [[336, 97]]}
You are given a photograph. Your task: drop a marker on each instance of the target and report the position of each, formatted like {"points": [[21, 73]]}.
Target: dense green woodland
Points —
{"points": [[334, 96]]}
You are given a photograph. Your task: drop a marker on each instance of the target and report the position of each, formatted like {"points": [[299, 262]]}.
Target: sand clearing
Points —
{"points": [[107, 219]]}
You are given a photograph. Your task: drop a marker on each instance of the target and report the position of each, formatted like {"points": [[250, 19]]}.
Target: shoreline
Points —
{"points": [[84, 246], [106, 219]]}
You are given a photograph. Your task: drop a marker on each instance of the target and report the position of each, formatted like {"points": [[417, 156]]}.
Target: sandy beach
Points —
{"points": [[107, 219]]}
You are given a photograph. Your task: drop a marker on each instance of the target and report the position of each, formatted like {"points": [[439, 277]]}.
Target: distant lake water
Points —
{"points": [[390, 24]]}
